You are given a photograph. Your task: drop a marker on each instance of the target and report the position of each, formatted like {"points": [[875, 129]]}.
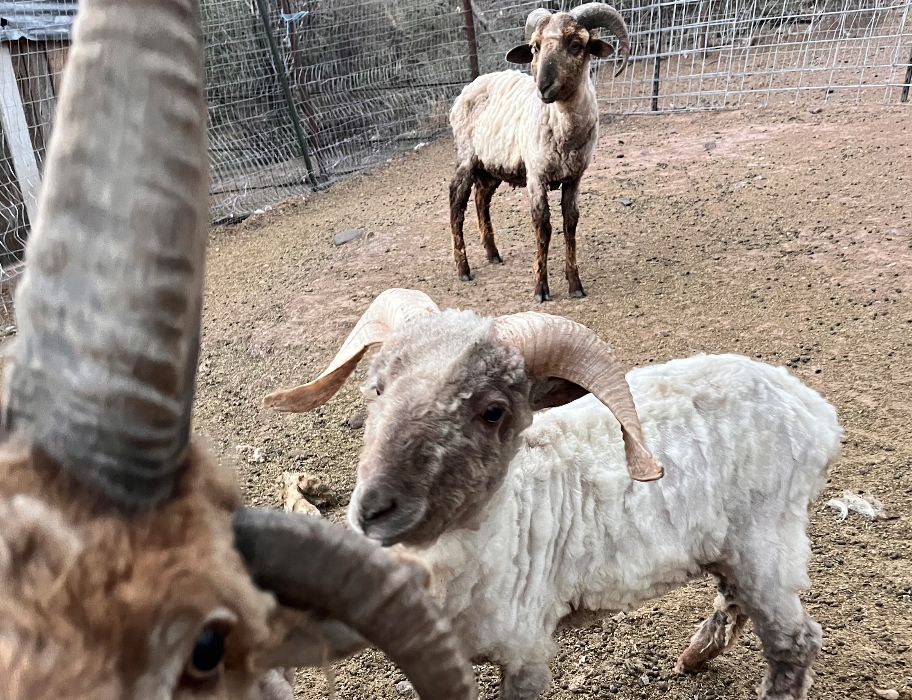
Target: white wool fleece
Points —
{"points": [[500, 119], [745, 448]]}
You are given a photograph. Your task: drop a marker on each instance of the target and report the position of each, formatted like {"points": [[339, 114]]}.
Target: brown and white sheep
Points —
{"points": [[536, 131], [128, 568]]}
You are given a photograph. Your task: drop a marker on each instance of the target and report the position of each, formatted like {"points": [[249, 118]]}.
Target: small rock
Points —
{"points": [[347, 236], [259, 455], [644, 153], [620, 155], [356, 420], [888, 694], [739, 185], [620, 616], [709, 145], [817, 110], [626, 201], [644, 680], [419, 146], [292, 494], [260, 211], [405, 689]]}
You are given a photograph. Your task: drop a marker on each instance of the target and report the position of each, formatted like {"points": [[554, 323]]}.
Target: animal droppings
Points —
{"points": [[347, 236]]}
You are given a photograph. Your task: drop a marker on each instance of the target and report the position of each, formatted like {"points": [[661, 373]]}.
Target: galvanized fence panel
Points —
{"points": [[302, 93]]}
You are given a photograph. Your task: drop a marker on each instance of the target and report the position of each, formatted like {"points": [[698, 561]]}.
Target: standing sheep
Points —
{"points": [[536, 131], [128, 568], [530, 519]]}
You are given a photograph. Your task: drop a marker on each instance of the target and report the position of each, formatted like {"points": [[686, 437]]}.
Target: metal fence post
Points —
{"points": [[289, 100], [658, 64], [469, 19], [905, 92]]}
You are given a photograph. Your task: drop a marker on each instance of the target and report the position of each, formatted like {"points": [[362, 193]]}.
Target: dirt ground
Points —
{"points": [[782, 235]]}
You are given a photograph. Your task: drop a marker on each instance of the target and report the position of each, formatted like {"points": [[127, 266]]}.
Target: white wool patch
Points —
{"points": [[745, 447]]}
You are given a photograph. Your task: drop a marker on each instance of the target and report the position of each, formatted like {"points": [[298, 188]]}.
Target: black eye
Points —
{"points": [[208, 652], [576, 47], [492, 414]]}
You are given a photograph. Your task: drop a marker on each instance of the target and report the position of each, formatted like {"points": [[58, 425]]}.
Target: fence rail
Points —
{"points": [[304, 92]]}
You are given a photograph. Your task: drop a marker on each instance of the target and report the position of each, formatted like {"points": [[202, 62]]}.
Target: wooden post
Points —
{"points": [[15, 127], [469, 19], [905, 92]]}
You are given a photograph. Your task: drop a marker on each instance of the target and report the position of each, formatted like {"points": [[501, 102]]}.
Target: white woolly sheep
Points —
{"points": [[537, 131], [527, 520], [128, 569]]}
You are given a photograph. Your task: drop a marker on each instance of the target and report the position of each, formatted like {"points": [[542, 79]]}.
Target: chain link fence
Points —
{"points": [[304, 92]]}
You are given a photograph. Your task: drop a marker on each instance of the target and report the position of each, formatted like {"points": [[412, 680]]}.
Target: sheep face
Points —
{"points": [[559, 52], [447, 404]]}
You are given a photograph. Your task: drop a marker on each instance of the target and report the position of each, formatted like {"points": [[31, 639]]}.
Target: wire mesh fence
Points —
{"points": [[304, 92]]}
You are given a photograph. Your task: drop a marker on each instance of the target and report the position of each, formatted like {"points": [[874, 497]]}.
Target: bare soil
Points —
{"points": [[782, 235]]}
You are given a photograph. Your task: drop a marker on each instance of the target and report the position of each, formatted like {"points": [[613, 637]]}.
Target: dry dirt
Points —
{"points": [[789, 239]]}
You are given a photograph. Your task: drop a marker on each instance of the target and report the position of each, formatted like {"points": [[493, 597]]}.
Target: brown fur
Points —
{"points": [[82, 586], [559, 52]]}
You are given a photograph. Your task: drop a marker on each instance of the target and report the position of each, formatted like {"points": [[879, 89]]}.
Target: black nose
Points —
{"points": [[376, 506]]}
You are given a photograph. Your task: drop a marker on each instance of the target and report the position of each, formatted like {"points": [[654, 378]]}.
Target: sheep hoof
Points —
{"points": [[465, 277], [495, 259], [578, 293], [542, 297]]}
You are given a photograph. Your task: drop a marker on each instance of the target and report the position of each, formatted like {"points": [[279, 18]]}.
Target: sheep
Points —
{"points": [[536, 131], [529, 520], [128, 568]]}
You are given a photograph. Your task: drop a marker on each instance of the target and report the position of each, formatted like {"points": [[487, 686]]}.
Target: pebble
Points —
{"points": [[405, 689], [356, 420], [347, 236]]}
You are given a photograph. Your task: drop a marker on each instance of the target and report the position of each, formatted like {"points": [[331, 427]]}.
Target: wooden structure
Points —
{"points": [[34, 43]]}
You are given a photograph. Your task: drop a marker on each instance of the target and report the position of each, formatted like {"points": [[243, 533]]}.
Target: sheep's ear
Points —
{"points": [[550, 392], [600, 49], [520, 54]]}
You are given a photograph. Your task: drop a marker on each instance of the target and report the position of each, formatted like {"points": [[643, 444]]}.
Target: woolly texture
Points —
{"points": [[745, 447]]}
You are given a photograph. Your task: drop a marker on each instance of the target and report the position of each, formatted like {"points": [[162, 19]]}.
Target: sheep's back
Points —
{"points": [[492, 120]]}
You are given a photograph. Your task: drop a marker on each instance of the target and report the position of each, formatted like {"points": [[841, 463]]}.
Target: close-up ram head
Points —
{"points": [[128, 566]]}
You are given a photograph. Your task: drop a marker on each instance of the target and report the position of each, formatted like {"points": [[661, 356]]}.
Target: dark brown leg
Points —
{"points": [[570, 210], [460, 189], [541, 223], [484, 191]]}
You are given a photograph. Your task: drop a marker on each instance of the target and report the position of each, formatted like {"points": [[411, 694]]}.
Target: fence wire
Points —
{"points": [[302, 93]]}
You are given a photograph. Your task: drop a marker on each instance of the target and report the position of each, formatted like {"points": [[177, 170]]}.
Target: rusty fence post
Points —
{"points": [[469, 19], [656, 73]]}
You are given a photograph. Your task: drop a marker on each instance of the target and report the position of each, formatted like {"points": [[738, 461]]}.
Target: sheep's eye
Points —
{"points": [[492, 414], [576, 47], [208, 652]]}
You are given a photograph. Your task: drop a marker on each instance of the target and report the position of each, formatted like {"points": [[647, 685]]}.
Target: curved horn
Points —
{"points": [[558, 347], [389, 311], [101, 375], [534, 19], [598, 14], [313, 564]]}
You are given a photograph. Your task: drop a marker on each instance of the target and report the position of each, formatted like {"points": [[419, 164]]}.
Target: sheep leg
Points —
{"points": [[570, 210], [541, 222], [717, 633], [765, 588], [527, 682], [485, 185], [460, 189]]}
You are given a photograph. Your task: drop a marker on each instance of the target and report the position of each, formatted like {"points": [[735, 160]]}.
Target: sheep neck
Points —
{"points": [[571, 122]]}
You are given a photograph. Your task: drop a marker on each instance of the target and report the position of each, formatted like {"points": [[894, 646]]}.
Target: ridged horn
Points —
{"points": [[312, 564], [598, 14], [533, 20], [553, 346], [389, 311], [101, 375]]}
